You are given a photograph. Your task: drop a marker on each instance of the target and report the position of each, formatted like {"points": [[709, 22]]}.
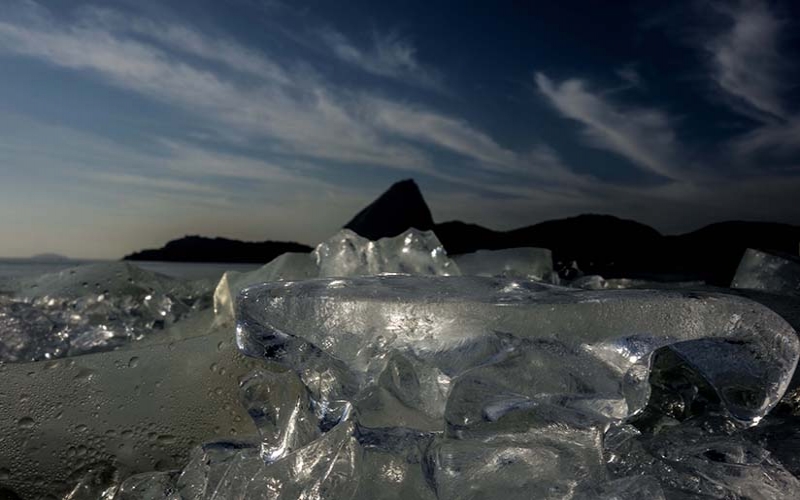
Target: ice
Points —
{"points": [[326, 468], [92, 308], [703, 459], [526, 262], [139, 409], [394, 465], [626, 488], [149, 486], [413, 252], [549, 465], [408, 393], [344, 254], [747, 352], [289, 266], [280, 407], [419, 383], [597, 282], [760, 270]]}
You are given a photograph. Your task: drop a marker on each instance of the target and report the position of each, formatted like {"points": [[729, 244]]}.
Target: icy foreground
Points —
{"points": [[434, 383]]}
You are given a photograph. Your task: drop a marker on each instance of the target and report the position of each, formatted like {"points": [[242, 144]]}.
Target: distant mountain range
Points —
{"points": [[597, 244]]}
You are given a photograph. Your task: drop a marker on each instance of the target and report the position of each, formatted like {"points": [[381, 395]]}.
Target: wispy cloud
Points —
{"points": [[746, 61], [630, 75], [644, 136], [297, 111], [747, 64], [389, 56]]}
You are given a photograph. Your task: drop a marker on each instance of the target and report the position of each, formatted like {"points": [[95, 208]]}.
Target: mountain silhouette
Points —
{"points": [[595, 244], [201, 249], [401, 207]]}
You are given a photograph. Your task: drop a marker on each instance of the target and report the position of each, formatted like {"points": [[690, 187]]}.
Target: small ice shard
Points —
{"points": [[747, 352], [526, 262], [413, 252], [289, 266], [760, 270]]}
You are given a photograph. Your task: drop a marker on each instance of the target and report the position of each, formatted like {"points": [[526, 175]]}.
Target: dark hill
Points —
{"points": [[401, 207], [460, 237], [599, 244], [714, 251], [201, 249]]}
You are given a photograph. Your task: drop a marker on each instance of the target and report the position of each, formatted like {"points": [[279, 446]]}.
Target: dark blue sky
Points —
{"points": [[126, 124]]}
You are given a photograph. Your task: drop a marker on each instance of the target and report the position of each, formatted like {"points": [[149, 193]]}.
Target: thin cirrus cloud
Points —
{"points": [[745, 59], [644, 136], [748, 65], [298, 111], [389, 56]]}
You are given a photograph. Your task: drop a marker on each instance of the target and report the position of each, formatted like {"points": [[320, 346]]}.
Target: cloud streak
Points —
{"points": [[644, 136], [296, 111], [390, 56], [745, 59]]}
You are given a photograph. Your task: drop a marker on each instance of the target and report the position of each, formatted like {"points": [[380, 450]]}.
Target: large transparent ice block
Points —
{"points": [[747, 352]]}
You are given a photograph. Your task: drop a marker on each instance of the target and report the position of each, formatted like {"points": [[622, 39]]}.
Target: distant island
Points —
{"points": [[595, 244], [50, 257], [202, 249]]}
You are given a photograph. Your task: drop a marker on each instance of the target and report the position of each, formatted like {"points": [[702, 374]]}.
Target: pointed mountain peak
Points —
{"points": [[401, 207]]}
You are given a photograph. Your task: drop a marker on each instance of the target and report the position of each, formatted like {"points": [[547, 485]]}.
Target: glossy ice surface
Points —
{"points": [[432, 384]]}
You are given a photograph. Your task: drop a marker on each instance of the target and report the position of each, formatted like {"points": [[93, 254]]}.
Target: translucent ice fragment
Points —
{"points": [[541, 379], [289, 266], [149, 486], [690, 460], [210, 462], [550, 465], [531, 263], [765, 271], [408, 393], [413, 252], [326, 469], [280, 407], [394, 466], [747, 352]]}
